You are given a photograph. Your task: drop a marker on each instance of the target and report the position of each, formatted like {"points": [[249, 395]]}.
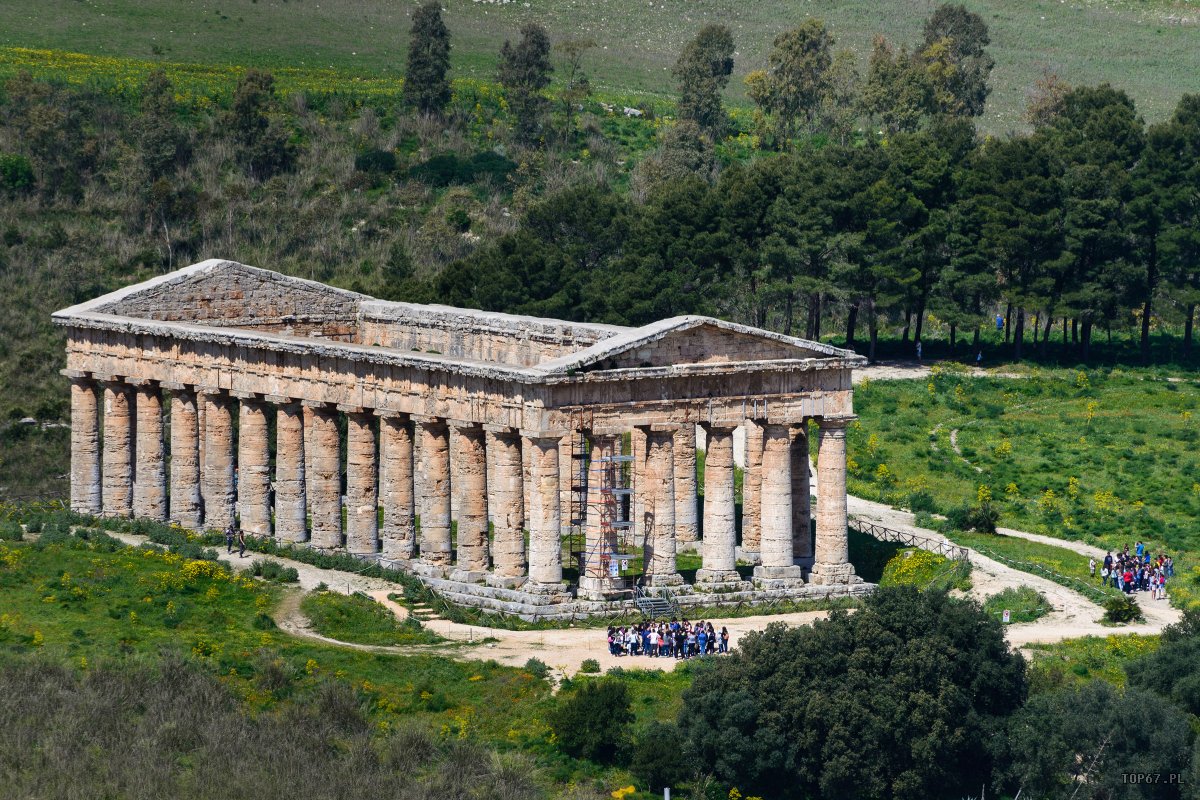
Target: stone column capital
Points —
{"points": [[428, 422], [714, 427], [350, 408], [834, 426], [76, 375], [318, 405], [174, 386], [142, 382], [503, 430], [539, 435], [465, 426], [387, 413], [211, 391]]}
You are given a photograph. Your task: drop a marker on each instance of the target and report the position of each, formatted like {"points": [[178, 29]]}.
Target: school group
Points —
{"points": [[666, 639], [1136, 572]]}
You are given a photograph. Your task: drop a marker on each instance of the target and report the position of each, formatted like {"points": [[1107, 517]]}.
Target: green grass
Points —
{"points": [[1134, 45], [1103, 456], [357, 618], [1024, 604], [1074, 661], [924, 570]]}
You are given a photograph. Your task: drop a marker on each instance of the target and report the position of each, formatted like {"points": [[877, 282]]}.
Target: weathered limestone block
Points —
{"points": [[362, 513], [802, 551], [396, 486], [325, 479], [118, 450], [470, 484], [150, 474], [687, 529], [85, 447], [506, 502], [219, 491], [545, 526], [751, 491], [660, 544], [831, 561], [777, 562], [254, 462], [720, 534], [185, 460], [434, 492], [291, 504]]}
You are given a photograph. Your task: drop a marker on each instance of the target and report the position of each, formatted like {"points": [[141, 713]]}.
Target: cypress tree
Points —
{"points": [[524, 72], [425, 83]]}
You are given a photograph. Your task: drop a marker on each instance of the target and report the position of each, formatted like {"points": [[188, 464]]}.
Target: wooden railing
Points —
{"points": [[941, 547]]}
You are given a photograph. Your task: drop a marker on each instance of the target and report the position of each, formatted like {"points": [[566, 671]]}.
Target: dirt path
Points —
{"points": [[917, 370]]}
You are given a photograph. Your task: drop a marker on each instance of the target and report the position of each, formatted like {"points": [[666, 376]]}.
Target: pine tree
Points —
{"points": [[426, 84], [524, 72], [796, 79], [703, 71], [953, 51]]}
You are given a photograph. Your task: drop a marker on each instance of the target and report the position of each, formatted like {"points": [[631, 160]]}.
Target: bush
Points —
{"points": [[274, 571], [590, 666], [921, 502], [447, 168], [656, 760], [11, 531], [1024, 604], [1121, 610], [375, 162], [16, 173], [537, 668], [981, 518], [592, 722]]}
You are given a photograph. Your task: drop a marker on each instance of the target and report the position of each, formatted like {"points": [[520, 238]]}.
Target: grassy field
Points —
{"points": [[1107, 456], [1147, 48], [355, 618], [1077, 660]]}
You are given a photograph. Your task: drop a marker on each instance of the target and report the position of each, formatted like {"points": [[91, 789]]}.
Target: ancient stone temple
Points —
{"points": [[493, 455]]}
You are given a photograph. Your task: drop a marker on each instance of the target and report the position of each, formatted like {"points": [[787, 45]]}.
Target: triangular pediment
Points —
{"points": [[691, 340], [227, 293]]}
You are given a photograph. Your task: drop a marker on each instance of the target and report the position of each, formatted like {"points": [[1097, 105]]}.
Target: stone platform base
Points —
{"points": [[534, 602]]}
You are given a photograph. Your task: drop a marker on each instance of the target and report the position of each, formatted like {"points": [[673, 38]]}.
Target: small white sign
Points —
{"points": [[1007, 616]]}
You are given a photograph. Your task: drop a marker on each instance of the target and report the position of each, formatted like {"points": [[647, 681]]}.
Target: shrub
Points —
{"points": [[656, 760], [1024, 604], [592, 722], [16, 173], [274, 571], [590, 666], [1121, 610], [921, 501], [11, 531], [375, 162], [447, 168], [537, 668], [981, 518]]}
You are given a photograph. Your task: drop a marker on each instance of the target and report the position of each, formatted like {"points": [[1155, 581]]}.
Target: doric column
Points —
{"points": [[185, 458], [434, 492], [687, 529], [219, 491], [801, 497], [85, 447], [469, 482], [720, 533], [778, 570], [150, 470], [396, 485], [831, 561], [254, 465], [751, 492], [324, 480], [117, 455], [545, 515], [507, 505], [660, 544], [291, 492], [600, 540], [637, 448], [362, 497]]}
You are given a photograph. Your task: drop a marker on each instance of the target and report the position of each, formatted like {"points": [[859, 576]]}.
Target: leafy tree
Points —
{"points": [[703, 71], [839, 104], [898, 700], [593, 722], [426, 79], [1091, 738], [576, 86], [898, 92], [262, 142], [683, 151], [796, 80], [524, 72], [163, 142], [1173, 670], [1044, 101], [953, 51]]}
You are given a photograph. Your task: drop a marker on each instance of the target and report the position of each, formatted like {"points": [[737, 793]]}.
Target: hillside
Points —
{"points": [[1147, 48]]}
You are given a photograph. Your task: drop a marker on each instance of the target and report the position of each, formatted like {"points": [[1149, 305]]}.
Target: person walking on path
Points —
{"points": [[1092, 567], [241, 536], [229, 539]]}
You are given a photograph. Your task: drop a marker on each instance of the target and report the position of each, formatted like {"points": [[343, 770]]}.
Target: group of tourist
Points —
{"points": [[1139, 571], [680, 639]]}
